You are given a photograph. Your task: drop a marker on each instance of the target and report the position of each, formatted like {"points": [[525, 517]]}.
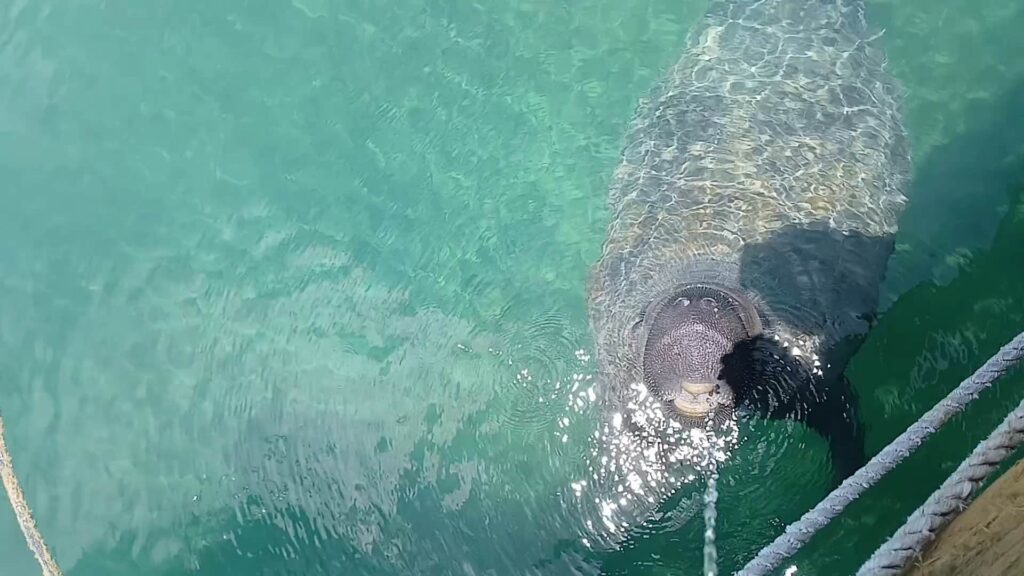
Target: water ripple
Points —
{"points": [[542, 355]]}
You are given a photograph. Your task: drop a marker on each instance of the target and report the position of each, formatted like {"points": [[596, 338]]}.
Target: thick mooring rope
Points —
{"points": [[798, 533], [22, 512], [949, 500]]}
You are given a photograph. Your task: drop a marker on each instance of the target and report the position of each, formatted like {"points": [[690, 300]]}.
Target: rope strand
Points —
{"points": [[21, 510], [945, 503], [710, 514], [798, 533]]}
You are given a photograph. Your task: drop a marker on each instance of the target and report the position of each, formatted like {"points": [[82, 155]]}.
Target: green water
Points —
{"points": [[297, 288]]}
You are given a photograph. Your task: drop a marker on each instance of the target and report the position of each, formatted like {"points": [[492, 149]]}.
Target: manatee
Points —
{"points": [[751, 219]]}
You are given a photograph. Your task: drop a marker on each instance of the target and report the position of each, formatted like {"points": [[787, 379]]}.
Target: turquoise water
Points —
{"points": [[297, 287]]}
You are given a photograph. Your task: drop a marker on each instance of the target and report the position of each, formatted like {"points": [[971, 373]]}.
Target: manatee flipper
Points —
{"points": [[835, 417], [769, 382]]}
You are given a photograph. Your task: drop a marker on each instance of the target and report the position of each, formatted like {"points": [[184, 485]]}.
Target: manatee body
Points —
{"points": [[751, 219]]}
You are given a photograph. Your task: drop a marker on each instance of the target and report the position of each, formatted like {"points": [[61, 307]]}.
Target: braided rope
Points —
{"points": [[798, 533], [949, 500], [22, 512]]}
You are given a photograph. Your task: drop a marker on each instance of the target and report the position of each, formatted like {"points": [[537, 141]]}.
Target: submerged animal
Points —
{"points": [[751, 219]]}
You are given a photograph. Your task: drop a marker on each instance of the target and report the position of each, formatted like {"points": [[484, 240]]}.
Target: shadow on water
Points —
{"points": [[817, 281], [943, 317], [932, 338], [957, 196]]}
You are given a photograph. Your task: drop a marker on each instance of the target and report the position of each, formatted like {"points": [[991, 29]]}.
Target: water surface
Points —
{"points": [[297, 288]]}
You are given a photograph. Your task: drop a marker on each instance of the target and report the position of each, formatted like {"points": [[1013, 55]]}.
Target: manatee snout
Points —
{"points": [[697, 399], [688, 332]]}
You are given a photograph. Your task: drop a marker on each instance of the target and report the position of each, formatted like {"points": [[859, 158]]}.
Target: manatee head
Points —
{"points": [[687, 332]]}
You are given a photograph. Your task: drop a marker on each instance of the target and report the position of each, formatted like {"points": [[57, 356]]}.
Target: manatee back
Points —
{"points": [[777, 132]]}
